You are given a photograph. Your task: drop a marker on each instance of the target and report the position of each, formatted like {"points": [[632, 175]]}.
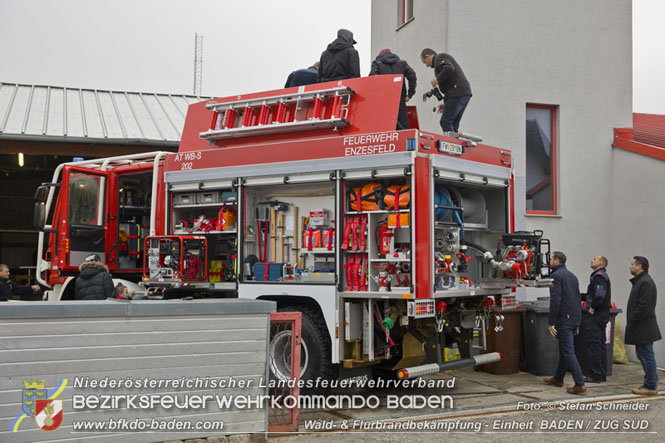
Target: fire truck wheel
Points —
{"points": [[315, 350]]}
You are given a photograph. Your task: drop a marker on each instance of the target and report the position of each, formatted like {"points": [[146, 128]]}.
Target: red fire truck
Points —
{"points": [[393, 244]]}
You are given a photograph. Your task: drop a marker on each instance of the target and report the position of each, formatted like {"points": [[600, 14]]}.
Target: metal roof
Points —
{"points": [[52, 113]]}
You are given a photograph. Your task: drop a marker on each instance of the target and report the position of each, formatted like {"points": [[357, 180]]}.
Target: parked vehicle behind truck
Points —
{"points": [[392, 244]]}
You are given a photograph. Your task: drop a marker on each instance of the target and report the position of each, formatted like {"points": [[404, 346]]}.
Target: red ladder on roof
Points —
{"points": [[327, 108]]}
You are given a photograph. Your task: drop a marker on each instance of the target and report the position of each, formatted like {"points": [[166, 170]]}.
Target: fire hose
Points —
{"points": [[503, 265]]}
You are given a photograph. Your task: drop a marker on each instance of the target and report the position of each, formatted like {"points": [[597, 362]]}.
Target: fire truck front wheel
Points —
{"points": [[315, 350]]}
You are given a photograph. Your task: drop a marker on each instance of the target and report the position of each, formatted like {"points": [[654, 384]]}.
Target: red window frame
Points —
{"points": [[555, 148], [402, 13]]}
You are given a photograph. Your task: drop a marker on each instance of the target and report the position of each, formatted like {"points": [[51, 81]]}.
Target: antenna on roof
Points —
{"points": [[198, 63]]}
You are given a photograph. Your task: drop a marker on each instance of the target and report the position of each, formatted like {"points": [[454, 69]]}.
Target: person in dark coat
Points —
{"points": [[9, 289], [598, 300], [453, 83], [564, 322], [641, 324], [389, 63], [94, 282], [340, 60], [303, 77]]}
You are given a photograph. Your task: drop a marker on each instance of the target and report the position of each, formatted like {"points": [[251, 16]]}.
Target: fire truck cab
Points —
{"points": [[392, 244], [103, 207]]}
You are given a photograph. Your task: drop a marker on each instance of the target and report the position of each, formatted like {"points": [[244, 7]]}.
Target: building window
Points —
{"points": [[405, 11], [541, 151]]}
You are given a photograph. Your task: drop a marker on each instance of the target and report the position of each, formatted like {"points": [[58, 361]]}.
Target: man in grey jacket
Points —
{"points": [[642, 325]]}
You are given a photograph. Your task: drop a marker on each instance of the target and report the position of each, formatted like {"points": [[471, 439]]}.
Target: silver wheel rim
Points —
{"points": [[279, 364]]}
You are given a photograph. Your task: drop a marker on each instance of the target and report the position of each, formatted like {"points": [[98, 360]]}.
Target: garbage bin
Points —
{"points": [[582, 339], [540, 349], [506, 341]]}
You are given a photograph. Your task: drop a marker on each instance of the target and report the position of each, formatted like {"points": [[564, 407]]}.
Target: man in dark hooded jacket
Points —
{"points": [[94, 281], [340, 60], [389, 63]]}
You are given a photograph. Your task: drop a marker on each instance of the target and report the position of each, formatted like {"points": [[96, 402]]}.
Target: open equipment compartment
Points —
{"points": [[289, 229]]}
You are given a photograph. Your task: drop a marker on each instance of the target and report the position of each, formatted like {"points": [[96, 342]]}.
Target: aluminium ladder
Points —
{"points": [[327, 108]]}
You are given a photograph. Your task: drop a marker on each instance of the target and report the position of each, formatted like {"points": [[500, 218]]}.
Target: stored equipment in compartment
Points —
{"points": [[175, 259]]}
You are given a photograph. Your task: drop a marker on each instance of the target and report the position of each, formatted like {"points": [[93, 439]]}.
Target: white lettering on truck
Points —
{"points": [[186, 159], [370, 144], [188, 156]]}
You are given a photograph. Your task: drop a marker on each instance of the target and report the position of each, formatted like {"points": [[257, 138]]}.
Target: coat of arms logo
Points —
{"points": [[41, 404], [48, 414], [33, 391]]}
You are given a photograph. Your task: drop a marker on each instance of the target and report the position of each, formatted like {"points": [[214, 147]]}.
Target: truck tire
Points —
{"points": [[315, 353]]}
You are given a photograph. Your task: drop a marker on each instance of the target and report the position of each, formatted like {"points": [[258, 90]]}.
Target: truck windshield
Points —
{"points": [[84, 199]]}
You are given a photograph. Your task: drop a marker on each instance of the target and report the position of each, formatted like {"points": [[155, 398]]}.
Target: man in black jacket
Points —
{"points": [[388, 63], [599, 301], [340, 60], [641, 324], [564, 322], [9, 289], [454, 85], [94, 282]]}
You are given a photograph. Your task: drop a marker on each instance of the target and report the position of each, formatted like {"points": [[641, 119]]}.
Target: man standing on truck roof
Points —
{"points": [[564, 322], [340, 60], [389, 63], [454, 85]]}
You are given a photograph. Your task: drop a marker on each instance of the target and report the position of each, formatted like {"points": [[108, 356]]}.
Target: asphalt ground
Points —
{"points": [[486, 407]]}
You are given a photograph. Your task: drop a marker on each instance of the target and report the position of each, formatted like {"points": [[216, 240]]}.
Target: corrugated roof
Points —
{"points": [[52, 113]]}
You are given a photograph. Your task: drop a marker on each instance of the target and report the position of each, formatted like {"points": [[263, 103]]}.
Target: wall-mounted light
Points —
{"points": [[20, 159]]}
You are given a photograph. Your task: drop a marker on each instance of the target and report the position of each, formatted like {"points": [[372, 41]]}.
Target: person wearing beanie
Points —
{"points": [[388, 62], [94, 282]]}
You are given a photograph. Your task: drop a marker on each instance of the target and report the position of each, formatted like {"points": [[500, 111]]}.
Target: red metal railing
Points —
{"points": [[284, 360]]}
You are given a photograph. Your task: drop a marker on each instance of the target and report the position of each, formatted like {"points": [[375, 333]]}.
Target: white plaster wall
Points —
{"points": [[638, 204], [427, 29], [573, 54]]}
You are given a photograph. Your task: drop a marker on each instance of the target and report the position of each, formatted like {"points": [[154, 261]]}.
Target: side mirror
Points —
{"points": [[39, 216], [41, 194]]}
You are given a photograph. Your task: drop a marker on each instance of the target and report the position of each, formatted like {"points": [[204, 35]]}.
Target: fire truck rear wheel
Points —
{"points": [[315, 352]]}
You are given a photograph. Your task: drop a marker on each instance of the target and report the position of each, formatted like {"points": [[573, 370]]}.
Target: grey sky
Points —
{"points": [[249, 45]]}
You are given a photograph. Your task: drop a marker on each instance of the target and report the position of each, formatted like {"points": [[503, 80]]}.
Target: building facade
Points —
{"points": [[550, 81]]}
